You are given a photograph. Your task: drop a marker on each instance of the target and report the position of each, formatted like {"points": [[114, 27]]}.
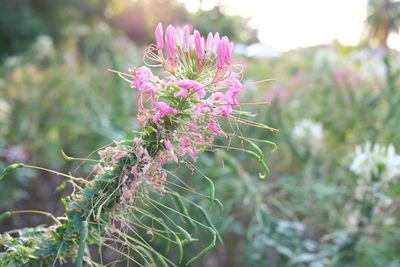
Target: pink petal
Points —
{"points": [[221, 54]]}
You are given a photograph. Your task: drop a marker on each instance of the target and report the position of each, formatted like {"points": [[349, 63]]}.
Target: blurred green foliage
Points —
{"points": [[22, 21], [64, 96]]}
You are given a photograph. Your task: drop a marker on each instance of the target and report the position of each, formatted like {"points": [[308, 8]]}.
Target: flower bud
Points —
{"points": [[199, 45], [170, 41], [186, 39], [221, 53], [209, 42], [159, 36], [216, 42]]}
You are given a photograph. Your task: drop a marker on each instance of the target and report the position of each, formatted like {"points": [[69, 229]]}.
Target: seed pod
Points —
{"points": [[210, 224], [146, 253], [180, 247], [256, 148], [259, 155], [212, 190], [183, 209], [204, 251], [167, 232], [266, 169], [161, 260], [184, 233], [270, 143], [220, 206], [10, 168], [5, 216], [254, 155]]}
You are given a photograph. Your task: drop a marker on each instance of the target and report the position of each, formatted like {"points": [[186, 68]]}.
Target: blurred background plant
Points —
{"points": [[319, 208]]}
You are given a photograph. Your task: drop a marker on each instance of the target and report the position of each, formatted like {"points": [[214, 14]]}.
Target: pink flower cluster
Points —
{"points": [[216, 99], [184, 108]]}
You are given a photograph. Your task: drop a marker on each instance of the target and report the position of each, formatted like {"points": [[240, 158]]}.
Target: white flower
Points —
{"points": [[376, 166], [43, 46], [309, 134], [376, 162]]}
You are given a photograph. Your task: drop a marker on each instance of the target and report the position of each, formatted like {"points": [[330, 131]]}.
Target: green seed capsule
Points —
{"points": [[161, 260], [167, 233], [204, 251], [183, 209], [146, 253], [180, 247], [256, 148], [270, 143], [210, 224], [212, 190], [184, 233], [266, 169], [254, 155], [220, 206], [5, 216], [10, 168]]}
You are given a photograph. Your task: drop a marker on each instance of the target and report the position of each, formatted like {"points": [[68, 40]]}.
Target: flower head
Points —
{"points": [[376, 162], [142, 79], [308, 135], [201, 87]]}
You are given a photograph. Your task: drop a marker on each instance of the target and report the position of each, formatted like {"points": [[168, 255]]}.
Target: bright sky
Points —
{"points": [[288, 24]]}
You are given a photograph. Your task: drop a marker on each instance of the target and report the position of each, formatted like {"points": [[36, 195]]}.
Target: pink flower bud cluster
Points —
{"points": [[182, 47]]}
